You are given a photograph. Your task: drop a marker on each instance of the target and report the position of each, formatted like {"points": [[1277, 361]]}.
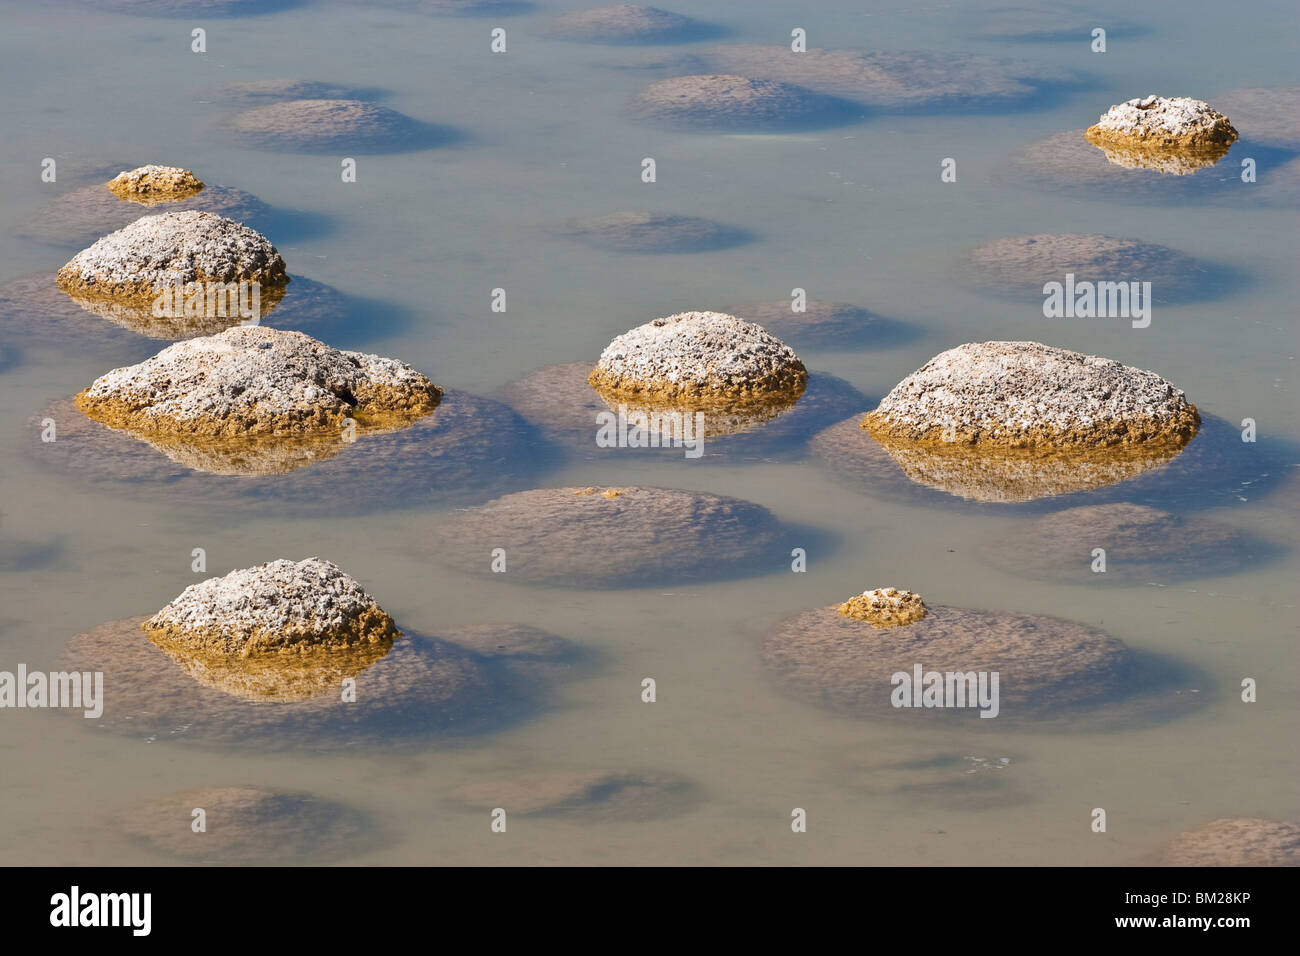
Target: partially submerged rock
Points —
{"points": [[583, 795], [706, 356], [251, 383], [1049, 669], [157, 252], [151, 184], [1019, 266], [332, 124], [612, 537], [1141, 544], [629, 23], [886, 79], [247, 825], [728, 102], [1033, 397], [1158, 124], [652, 232], [1236, 841], [884, 607]]}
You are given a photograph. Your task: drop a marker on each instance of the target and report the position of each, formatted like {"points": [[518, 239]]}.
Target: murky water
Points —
{"points": [[855, 213]]}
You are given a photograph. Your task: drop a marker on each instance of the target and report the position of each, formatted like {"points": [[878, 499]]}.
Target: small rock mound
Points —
{"points": [[1236, 841], [652, 232], [322, 125], [605, 537], [885, 607], [1019, 266], [589, 795], [255, 382], [698, 355], [247, 825], [157, 252], [1026, 395], [1157, 122], [275, 607], [731, 102], [154, 184], [628, 23]]}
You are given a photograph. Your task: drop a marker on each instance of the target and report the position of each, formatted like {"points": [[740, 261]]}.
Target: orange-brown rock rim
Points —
{"points": [[1025, 395], [885, 607], [154, 184], [1157, 122], [275, 607], [158, 252], [258, 382], [698, 355]]}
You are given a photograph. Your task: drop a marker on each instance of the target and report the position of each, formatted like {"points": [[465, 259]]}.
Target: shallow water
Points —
{"points": [[855, 213]]}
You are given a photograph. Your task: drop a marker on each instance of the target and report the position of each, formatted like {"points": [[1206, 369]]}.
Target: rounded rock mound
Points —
{"points": [[161, 251], [612, 537], [323, 125], [629, 23], [720, 101], [257, 382], [586, 795], [885, 607], [1030, 396], [1049, 669], [247, 825], [154, 184], [652, 232], [699, 355], [1236, 841], [1019, 266], [1141, 544], [1163, 123]]}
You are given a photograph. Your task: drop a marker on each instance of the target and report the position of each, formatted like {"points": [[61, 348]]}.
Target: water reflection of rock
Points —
{"points": [[247, 825], [469, 449], [586, 796], [1141, 544], [1052, 673], [624, 536]]}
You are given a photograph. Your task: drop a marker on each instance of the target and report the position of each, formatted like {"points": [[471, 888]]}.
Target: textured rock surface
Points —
{"points": [[1019, 266], [247, 825], [886, 79], [884, 607], [607, 537], [1142, 544], [252, 381], [154, 184], [272, 89], [322, 125], [158, 251], [1236, 841], [652, 232], [421, 689], [275, 607], [586, 795], [1026, 395], [698, 355], [1162, 123], [721, 101], [628, 23]]}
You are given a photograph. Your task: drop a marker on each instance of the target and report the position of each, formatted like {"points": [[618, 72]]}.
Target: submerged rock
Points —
{"points": [[193, 8], [332, 124], [652, 232], [1236, 841], [585, 795], [824, 323], [272, 89], [719, 101], [698, 355], [1268, 117], [629, 23], [154, 184], [1142, 544], [252, 382], [1049, 669], [247, 825], [463, 8], [157, 252], [1019, 266], [612, 537]]}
